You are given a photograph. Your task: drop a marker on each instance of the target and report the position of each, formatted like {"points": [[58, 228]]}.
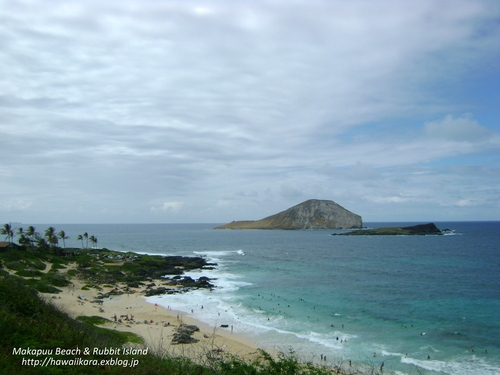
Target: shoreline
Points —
{"points": [[153, 322]]}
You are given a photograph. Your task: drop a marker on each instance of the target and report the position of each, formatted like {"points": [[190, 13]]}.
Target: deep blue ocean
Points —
{"points": [[418, 304]]}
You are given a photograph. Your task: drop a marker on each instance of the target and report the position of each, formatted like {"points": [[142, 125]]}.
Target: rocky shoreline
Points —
{"points": [[135, 270], [114, 285]]}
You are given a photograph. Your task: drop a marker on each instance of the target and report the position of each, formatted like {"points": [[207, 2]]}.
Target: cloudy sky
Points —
{"points": [[159, 111]]}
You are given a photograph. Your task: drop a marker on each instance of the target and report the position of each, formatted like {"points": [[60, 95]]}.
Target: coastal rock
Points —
{"points": [[311, 214], [202, 282], [183, 334], [190, 327], [156, 291], [415, 230], [183, 338]]}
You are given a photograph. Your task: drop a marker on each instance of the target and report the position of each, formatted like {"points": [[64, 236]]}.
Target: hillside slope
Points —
{"points": [[311, 214]]}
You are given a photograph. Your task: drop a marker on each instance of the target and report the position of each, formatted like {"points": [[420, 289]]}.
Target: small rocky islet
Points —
{"points": [[429, 229]]}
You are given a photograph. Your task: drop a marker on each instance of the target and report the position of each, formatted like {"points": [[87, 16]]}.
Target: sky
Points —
{"points": [[156, 111]]}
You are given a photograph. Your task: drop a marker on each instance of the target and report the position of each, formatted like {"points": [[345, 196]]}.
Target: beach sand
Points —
{"points": [[161, 323]]}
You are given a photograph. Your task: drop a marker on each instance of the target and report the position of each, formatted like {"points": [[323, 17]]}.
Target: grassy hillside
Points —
{"points": [[248, 224]]}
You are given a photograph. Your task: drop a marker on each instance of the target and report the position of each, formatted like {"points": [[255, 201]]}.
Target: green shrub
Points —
{"points": [[46, 288], [84, 262], [56, 266], [94, 319], [58, 260], [11, 255], [72, 272], [29, 273], [42, 286], [15, 265], [56, 279], [36, 263]]}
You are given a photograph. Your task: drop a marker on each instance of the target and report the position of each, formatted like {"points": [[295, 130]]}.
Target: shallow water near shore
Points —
{"points": [[418, 304]]}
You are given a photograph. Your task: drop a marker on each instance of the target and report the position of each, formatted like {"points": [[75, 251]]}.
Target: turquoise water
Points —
{"points": [[422, 304]]}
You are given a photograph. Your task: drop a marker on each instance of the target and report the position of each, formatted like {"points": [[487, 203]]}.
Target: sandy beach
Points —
{"points": [[154, 323]]}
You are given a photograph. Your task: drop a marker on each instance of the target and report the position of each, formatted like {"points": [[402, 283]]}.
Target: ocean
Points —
{"points": [[417, 304]]}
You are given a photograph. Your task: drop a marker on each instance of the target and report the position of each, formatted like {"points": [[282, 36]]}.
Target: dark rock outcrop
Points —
{"points": [[185, 284], [158, 291], [202, 282], [183, 334], [311, 214]]}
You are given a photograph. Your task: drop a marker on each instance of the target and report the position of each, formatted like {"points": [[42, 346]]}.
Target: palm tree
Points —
{"points": [[93, 239], [32, 234], [20, 232], [41, 243], [86, 235], [24, 240], [80, 237], [50, 235], [63, 237], [8, 232]]}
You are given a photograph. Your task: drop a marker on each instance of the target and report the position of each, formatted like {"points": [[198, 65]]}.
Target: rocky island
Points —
{"points": [[415, 230], [311, 214]]}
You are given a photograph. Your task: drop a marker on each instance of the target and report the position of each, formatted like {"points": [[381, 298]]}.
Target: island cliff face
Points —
{"points": [[311, 214]]}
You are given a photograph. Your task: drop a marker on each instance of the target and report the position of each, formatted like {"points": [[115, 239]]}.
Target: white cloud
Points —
{"points": [[466, 202], [390, 199], [16, 204], [168, 207], [463, 129], [239, 106]]}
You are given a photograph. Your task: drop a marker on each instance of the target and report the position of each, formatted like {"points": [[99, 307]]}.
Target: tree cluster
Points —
{"points": [[30, 237]]}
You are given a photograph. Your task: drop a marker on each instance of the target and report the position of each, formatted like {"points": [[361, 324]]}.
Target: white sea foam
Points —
{"points": [[217, 307], [225, 281], [223, 307], [219, 253], [214, 307], [334, 340], [472, 365], [390, 354]]}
